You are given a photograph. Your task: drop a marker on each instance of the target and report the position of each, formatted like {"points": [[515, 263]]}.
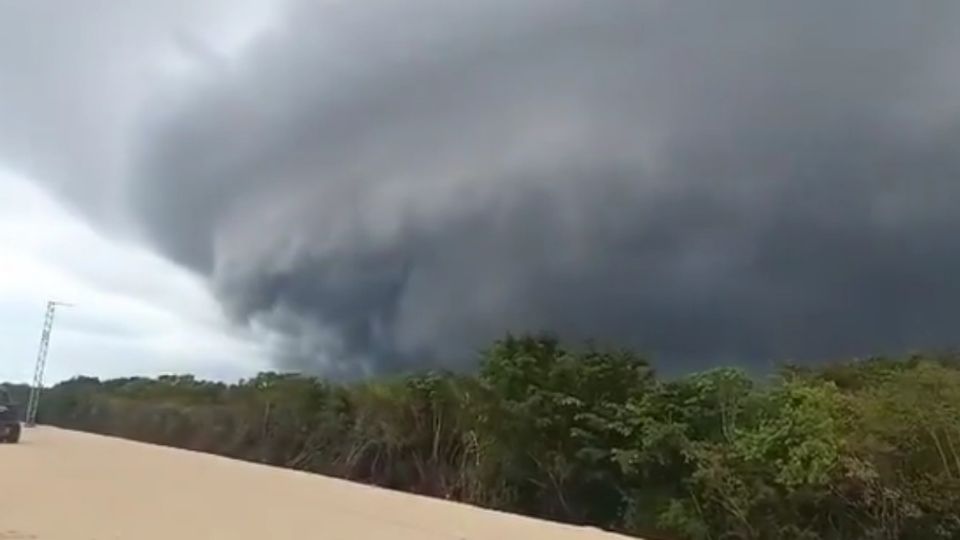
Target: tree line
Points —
{"points": [[866, 449]]}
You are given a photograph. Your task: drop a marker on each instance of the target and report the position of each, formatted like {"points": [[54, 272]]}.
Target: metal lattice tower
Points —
{"points": [[34, 402]]}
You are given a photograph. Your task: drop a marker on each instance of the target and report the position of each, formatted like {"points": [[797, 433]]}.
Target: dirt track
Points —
{"points": [[62, 485]]}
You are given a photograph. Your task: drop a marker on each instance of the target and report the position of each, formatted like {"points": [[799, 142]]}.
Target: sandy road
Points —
{"points": [[63, 485]]}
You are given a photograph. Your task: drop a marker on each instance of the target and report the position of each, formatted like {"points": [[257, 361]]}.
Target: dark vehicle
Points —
{"points": [[9, 419]]}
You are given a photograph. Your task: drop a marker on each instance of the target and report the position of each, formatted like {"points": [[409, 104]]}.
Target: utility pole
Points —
{"points": [[34, 401]]}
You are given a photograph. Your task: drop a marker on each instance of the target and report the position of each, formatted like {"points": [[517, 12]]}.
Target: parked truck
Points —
{"points": [[9, 419]]}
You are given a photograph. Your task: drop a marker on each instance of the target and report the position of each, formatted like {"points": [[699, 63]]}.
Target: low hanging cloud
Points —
{"points": [[391, 184]]}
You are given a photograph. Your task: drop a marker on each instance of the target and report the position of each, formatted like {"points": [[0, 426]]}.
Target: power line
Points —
{"points": [[34, 402]]}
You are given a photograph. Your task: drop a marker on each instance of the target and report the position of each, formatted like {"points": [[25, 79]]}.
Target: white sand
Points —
{"points": [[63, 485]]}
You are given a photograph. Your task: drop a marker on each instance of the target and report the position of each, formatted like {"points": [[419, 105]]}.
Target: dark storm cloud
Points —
{"points": [[392, 184], [73, 76]]}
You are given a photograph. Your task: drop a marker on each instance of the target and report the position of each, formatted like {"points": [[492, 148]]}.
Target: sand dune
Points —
{"points": [[63, 485]]}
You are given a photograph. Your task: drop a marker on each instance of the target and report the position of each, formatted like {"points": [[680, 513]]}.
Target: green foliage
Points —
{"points": [[554, 417], [858, 450]]}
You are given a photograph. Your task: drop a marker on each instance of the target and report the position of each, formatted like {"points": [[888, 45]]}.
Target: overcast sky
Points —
{"points": [[72, 76], [135, 312], [366, 186]]}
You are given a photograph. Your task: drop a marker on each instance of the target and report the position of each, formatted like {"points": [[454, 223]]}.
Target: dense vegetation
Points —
{"points": [[866, 449]]}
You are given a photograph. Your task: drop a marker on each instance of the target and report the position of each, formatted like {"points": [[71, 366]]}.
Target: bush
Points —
{"points": [[852, 450]]}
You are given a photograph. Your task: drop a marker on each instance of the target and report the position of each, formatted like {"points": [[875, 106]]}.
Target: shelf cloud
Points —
{"points": [[389, 184]]}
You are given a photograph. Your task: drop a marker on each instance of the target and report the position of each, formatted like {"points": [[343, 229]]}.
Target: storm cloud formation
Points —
{"points": [[391, 184]]}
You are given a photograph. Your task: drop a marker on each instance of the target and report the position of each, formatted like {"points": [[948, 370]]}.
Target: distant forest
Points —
{"points": [[865, 449]]}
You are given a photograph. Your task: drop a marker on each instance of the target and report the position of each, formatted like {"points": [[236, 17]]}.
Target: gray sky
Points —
{"points": [[384, 184], [136, 313]]}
